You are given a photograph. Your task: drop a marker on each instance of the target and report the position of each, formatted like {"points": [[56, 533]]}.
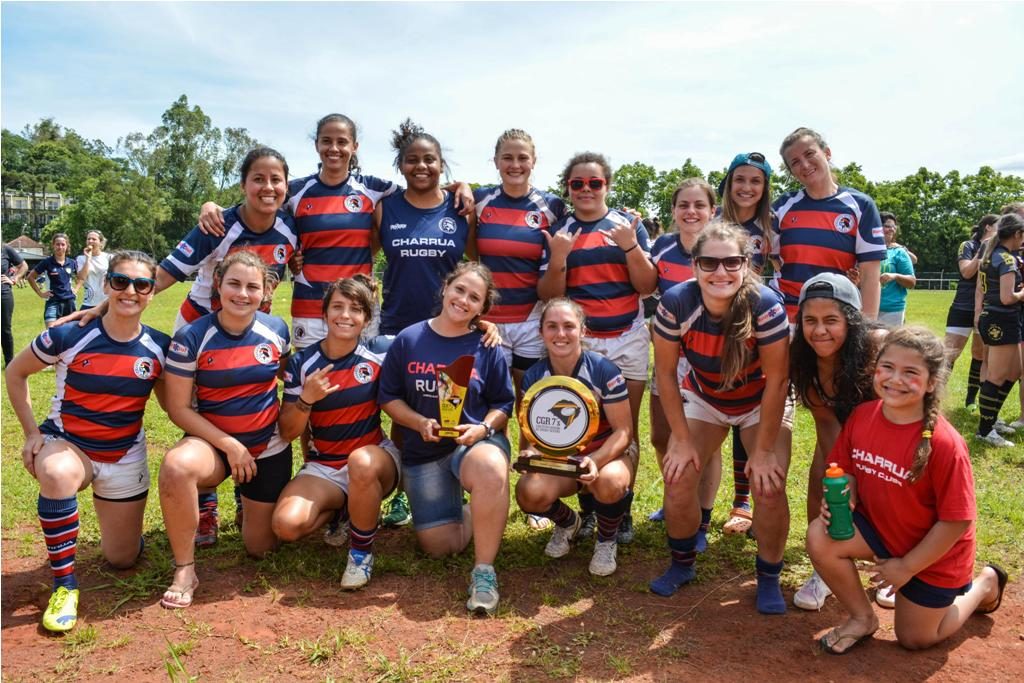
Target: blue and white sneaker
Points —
{"points": [[483, 590], [358, 570]]}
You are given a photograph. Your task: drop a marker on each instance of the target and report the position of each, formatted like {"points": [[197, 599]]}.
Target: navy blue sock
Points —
{"points": [[587, 502], [702, 531], [769, 591], [682, 569], [609, 515]]}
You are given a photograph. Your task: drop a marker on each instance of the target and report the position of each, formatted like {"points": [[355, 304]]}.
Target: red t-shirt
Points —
{"points": [[879, 455]]}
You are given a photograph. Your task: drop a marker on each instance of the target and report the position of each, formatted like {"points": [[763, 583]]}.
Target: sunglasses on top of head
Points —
{"points": [[756, 156], [709, 264], [594, 183], [119, 282]]}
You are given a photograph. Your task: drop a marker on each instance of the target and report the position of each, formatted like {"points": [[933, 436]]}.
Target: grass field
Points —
{"points": [[997, 475]]}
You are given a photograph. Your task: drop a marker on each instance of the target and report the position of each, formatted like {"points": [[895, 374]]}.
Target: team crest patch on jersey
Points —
{"points": [[616, 382], [185, 248], [143, 367], [45, 339], [354, 203], [300, 331], [843, 223], [757, 244], [288, 376], [280, 254], [179, 348], [363, 372], [532, 219], [447, 225], [772, 312], [263, 353]]}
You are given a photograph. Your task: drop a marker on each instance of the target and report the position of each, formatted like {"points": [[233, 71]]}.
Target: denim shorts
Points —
{"points": [[917, 591], [57, 308], [434, 488]]}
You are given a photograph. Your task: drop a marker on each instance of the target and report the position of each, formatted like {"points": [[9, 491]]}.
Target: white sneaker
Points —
{"points": [[336, 536], [603, 561], [358, 570], [886, 597], [1017, 425], [561, 538], [993, 439], [1003, 428], [812, 594]]}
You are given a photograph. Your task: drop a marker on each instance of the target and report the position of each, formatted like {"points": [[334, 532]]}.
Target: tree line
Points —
{"points": [[145, 193]]}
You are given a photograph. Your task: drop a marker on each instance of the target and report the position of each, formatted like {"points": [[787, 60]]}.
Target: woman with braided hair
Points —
{"points": [[912, 494]]}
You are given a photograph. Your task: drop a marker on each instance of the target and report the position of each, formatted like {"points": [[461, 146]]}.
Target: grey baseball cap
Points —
{"points": [[831, 286]]}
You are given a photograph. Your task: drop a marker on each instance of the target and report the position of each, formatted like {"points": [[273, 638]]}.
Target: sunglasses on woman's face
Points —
{"points": [[709, 264], [594, 183], [119, 282]]}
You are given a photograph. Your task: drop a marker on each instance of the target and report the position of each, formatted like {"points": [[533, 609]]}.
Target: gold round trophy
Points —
{"points": [[559, 416]]}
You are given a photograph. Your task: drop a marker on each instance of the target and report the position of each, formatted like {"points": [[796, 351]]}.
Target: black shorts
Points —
{"points": [[273, 472], [960, 318], [917, 591], [999, 329]]}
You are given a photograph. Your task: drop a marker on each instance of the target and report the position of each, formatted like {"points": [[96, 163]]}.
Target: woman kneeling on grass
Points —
{"points": [[436, 469], [912, 492], [106, 371], [734, 333], [231, 359], [610, 462], [332, 386]]}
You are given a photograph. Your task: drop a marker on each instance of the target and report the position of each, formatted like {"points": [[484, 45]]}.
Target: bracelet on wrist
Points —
{"points": [[303, 405], [635, 245]]}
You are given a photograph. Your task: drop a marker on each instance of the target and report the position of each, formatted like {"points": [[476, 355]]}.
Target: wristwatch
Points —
{"points": [[490, 430]]}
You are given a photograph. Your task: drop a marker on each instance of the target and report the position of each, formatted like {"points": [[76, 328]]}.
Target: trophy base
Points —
{"points": [[448, 433], [571, 466]]}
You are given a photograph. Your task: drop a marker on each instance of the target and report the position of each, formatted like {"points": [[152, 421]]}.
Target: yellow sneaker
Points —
{"points": [[62, 612]]}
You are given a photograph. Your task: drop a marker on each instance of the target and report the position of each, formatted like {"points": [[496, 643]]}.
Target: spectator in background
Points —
{"points": [[92, 268], [897, 275], [61, 273], [12, 272]]}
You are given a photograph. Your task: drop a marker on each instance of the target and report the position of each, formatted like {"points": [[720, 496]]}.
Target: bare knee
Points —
{"points": [[532, 498], [177, 469], [914, 640]]}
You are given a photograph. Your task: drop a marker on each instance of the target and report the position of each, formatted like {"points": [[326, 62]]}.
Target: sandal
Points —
{"points": [[176, 597], [833, 638], [1002, 578], [740, 521]]}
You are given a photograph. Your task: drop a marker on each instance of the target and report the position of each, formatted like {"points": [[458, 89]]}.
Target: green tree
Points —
{"points": [[633, 187]]}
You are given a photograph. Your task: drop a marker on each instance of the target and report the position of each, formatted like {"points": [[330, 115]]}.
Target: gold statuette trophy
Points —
{"points": [[558, 416], [452, 384]]}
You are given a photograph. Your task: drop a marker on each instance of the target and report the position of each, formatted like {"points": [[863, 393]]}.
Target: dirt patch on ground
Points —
{"points": [[556, 622]]}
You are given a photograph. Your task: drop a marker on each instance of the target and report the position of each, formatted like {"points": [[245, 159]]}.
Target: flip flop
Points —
{"points": [[740, 521], [1002, 578], [830, 640], [184, 596]]}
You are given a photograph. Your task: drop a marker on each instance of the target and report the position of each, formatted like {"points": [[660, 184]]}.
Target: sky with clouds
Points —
{"points": [[892, 86]]}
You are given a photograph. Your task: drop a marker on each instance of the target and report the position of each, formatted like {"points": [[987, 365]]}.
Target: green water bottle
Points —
{"points": [[837, 497]]}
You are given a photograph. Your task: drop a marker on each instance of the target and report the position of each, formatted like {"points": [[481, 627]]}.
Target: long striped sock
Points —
{"points": [[561, 514], [360, 539], [682, 569], [741, 485], [609, 515], [973, 381], [992, 398], [208, 502], [59, 519]]}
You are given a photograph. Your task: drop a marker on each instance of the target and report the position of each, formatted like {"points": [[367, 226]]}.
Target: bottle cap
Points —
{"points": [[834, 470]]}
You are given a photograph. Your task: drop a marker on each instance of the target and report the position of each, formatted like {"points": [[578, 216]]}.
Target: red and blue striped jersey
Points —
{"points": [[673, 262], [510, 243], [682, 318], [333, 224], [597, 277], [830, 235], [349, 418], [235, 377], [102, 387], [601, 376], [199, 253]]}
